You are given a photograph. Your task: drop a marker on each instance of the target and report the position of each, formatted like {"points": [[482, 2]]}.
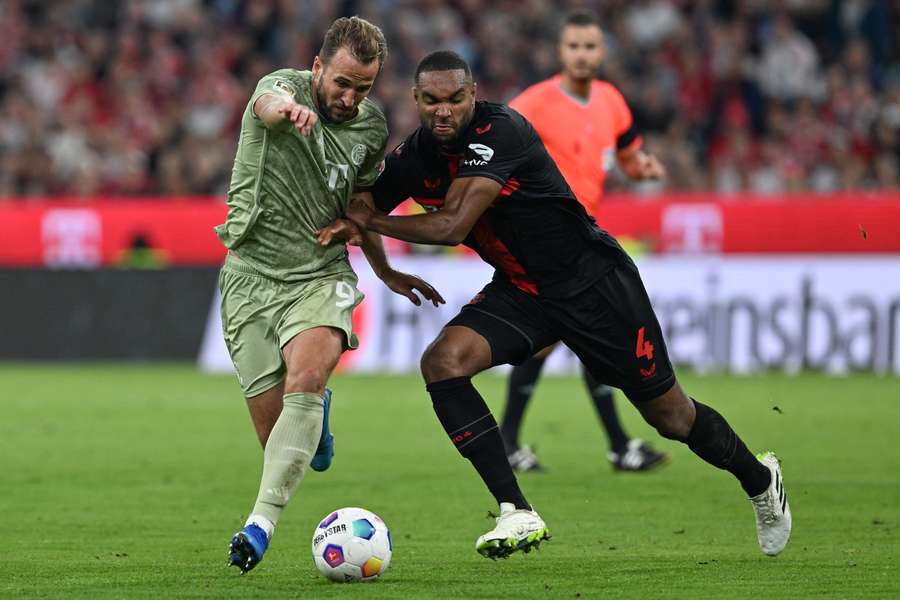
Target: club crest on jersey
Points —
{"points": [[484, 155], [358, 154], [284, 87]]}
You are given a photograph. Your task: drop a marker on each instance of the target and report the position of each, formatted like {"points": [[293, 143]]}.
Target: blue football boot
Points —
{"points": [[325, 452], [247, 547]]}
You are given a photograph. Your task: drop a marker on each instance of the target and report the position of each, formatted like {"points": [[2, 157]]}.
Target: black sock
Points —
{"points": [[602, 395], [473, 430], [518, 394], [712, 439]]}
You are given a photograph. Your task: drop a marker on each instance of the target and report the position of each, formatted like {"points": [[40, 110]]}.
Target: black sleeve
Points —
{"points": [[495, 149], [390, 189], [627, 138]]}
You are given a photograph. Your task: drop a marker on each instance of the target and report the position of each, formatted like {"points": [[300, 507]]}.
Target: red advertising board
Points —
{"points": [[79, 233], [99, 232], [696, 224]]}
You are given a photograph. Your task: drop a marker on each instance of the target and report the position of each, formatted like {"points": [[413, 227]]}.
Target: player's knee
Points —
{"points": [[309, 380], [443, 361]]}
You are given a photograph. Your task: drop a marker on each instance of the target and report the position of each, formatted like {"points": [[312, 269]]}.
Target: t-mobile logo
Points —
{"points": [[335, 170], [692, 228]]}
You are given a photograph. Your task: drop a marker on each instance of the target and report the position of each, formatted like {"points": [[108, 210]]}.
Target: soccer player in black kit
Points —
{"points": [[486, 181]]}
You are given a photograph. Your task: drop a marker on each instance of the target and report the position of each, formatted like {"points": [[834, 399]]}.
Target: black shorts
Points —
{"points": [[610, 326]]}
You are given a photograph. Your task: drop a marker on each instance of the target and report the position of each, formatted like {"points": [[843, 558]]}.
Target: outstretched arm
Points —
{"points": [[466, 201], [399, 283], [344, 230], [275, 109]]}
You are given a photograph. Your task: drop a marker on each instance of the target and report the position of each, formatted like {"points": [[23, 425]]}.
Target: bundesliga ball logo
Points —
{"points": [[352, 544]]}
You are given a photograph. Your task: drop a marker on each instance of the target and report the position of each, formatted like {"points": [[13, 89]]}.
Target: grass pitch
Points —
{"points": [[124, 481]]}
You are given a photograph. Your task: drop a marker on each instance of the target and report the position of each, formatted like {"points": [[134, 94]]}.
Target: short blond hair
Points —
{"points": [[362, 39]]}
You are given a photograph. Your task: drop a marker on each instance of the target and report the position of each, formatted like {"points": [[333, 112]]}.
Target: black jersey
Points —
{"points": [[535, 234]]}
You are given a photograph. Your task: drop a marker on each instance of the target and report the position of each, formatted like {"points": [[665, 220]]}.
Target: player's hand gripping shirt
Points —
{"points": [[285, 186], [583, 137], [535, 234]]}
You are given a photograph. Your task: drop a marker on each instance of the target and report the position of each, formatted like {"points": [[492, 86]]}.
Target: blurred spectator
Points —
{"points": [[789, 66], [139, 97]]}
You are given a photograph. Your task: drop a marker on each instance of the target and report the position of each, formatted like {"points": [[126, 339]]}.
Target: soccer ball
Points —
{"points": [[352, 544]]}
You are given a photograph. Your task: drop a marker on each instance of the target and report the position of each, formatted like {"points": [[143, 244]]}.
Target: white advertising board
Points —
{"points": [[725, 313]]}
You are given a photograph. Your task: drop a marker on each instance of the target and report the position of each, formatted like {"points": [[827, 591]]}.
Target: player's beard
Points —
{"points": [[444, 138], [583, 73], [450, 142], [329, 112]]}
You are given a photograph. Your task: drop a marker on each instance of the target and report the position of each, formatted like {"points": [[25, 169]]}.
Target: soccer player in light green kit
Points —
{"points": [[308, 140]]}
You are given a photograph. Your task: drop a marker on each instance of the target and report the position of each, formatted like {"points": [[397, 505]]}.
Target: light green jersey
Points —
{"points": [[285, 186]]}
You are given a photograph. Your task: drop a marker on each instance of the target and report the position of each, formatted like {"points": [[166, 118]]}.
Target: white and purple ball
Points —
{"points": [[352, 544]]}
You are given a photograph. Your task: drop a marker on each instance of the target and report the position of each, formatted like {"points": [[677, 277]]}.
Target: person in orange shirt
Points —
{"points": [[587, 128]]}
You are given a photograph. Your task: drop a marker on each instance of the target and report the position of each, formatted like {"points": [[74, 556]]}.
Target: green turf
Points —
{"points": [[127, 481]]}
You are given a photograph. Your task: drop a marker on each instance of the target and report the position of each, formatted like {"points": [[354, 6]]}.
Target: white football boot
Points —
{"points": [[516, 529], [773, 515]]}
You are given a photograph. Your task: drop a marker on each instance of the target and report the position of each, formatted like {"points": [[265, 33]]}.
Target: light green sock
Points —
{"points": [[290, 447]]}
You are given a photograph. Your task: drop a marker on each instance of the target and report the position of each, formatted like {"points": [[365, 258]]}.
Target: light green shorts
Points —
{"points": [[260, 315]]}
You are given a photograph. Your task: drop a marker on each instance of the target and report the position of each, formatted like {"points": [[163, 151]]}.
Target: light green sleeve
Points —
{"points": [[284, 82]]}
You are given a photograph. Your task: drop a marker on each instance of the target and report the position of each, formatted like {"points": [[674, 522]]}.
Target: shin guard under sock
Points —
{"points": [[290, 447], [712, 439], [472, 429]]}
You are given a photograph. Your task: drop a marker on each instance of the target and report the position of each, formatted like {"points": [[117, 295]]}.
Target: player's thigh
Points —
{"points": [[513, 323], [250, 307], [317, 326], [612, 328]]}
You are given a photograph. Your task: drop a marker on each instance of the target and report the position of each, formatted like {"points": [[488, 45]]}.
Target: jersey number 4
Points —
{"points": [[643, 348]]}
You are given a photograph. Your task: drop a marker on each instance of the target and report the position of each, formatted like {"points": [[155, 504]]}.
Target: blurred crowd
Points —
{"points": [[138, 97]]}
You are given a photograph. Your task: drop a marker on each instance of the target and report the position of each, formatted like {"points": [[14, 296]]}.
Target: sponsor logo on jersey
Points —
{"points": [[335, 171], [358, 154], [484, 155]]}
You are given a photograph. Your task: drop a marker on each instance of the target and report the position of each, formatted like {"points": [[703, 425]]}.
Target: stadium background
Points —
{"points": [[773, 245], [779, 124]]}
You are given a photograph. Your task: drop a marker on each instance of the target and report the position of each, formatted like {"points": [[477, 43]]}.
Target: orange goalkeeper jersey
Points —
{"points": [[582, 137]]}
